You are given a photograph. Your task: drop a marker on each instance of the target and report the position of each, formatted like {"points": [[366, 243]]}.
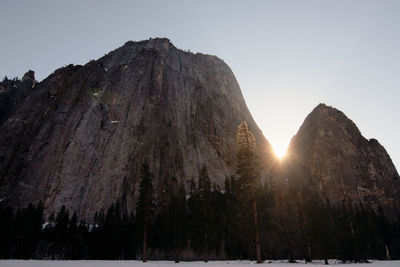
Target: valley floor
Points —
{"points": [[90, 263]]}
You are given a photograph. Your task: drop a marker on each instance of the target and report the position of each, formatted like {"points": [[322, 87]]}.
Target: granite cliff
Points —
{"points": [[330, 156], [80, 136]]}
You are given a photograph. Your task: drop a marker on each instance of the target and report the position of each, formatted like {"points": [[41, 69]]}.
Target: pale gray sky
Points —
{"points": [[288, 56]]}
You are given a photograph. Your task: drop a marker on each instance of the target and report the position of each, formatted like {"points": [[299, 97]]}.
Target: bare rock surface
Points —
{"points": [[329, 155], [81, 135]]}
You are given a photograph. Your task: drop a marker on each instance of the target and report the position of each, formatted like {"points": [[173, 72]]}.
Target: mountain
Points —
{"points": [[80, 136], [329, 155]]}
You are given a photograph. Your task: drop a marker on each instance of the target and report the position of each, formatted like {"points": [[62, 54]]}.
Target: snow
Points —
{"points": [[48, 223], [88, 263]]}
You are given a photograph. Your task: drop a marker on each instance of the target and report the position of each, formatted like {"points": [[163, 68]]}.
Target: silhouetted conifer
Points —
{"points": [[146, 205], [247, 171]]}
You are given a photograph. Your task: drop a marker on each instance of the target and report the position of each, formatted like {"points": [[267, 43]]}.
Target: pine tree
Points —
{"points": [[61, 228], [177, 215], [73, 236], [248, 174], [146, 204], [204, 190]]}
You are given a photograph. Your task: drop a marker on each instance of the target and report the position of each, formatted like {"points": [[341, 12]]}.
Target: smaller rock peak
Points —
{"points": [[322, 108], [150, 40], [159, 40], [129, 43], [29, 75], [374, 142], [156, 43], [327, 117], [322, 105]]}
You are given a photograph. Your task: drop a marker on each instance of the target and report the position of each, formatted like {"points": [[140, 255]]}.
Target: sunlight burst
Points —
{"points": [[280, 151]]}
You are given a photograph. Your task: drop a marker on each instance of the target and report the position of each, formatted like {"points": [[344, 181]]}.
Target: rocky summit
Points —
{"points": [[328, 155], [80, 136]]}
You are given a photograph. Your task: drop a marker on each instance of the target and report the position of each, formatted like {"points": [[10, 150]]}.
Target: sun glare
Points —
{"points": [[280, 151]]}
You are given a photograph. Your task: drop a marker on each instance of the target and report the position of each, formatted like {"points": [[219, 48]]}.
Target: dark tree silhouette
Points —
{"points": [[146, 204], [248, 175]]}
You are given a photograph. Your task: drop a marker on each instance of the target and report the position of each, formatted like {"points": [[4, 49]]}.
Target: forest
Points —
{"points": [[246, 219], [210, 224]]}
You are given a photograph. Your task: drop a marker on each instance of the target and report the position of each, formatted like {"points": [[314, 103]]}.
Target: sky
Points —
{"points": [[288, 56]]}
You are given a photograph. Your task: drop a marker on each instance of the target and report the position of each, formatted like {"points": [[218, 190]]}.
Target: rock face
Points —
{"points": [[12, 92], [81, 135], [329, 155]]}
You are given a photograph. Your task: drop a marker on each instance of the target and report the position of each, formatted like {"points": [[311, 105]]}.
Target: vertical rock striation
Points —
{"points": [[329, 155], [81, 135]]}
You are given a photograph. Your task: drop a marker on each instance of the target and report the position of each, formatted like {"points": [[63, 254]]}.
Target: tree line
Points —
{"points": [[246, 219]]}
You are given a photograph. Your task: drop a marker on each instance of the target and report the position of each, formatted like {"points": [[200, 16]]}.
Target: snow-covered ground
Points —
{"points": [[40, 263]]}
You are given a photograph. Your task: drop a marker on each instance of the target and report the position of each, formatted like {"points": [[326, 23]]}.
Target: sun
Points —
{"points": [[280, 150]]}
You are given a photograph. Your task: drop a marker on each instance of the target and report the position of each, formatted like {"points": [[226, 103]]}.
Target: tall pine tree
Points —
{"points": [[146, 204], [204, 190], [248, 175], [177, 212]]}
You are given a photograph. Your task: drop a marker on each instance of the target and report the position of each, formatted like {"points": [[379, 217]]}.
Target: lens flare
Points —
{"points": [[280, 150]]}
